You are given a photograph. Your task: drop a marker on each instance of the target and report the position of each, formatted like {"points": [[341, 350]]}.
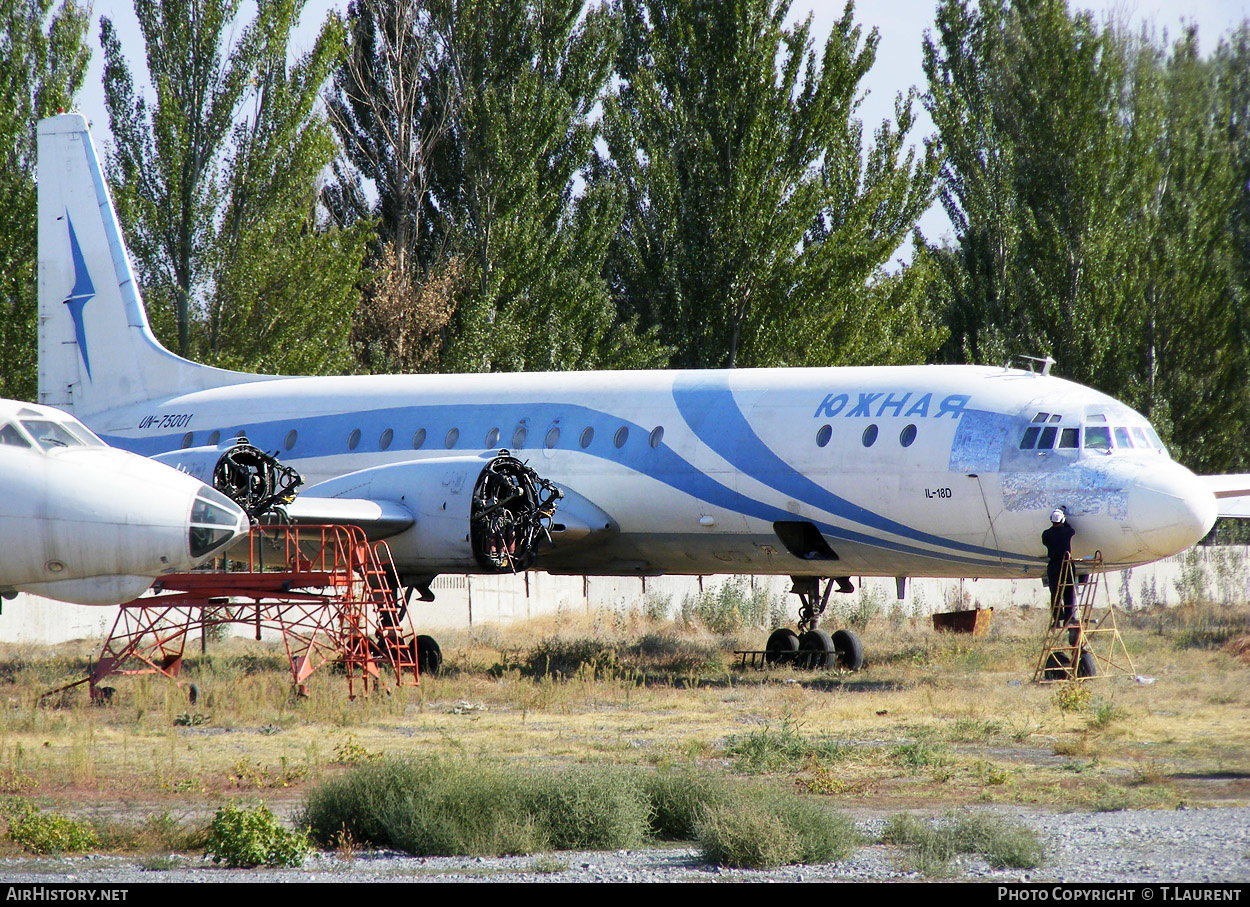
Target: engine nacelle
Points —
{"points": [[473, 514]]}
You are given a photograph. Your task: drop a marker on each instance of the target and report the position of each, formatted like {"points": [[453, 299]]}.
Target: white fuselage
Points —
{"points": [[709, 461], [903, 471]]}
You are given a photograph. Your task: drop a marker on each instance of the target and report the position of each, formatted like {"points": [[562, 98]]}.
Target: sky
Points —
{"points": [[901, 25]]}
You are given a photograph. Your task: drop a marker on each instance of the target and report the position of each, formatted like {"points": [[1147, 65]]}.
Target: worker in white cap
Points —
{"points": [[1058, 542]]}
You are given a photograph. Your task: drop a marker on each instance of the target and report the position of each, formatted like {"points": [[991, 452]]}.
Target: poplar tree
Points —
{"points": [[215, 182], [43, 60], [758, 219]]}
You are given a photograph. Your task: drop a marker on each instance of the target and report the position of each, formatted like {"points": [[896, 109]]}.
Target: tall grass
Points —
{"points": [[432, 806], [440, 807], [932, 847]]}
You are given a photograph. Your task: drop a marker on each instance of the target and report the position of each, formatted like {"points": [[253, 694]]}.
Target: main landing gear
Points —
{"points": [[811, 647]]}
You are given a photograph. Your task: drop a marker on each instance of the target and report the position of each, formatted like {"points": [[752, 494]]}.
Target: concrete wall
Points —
{"points": [[1220, 574]]}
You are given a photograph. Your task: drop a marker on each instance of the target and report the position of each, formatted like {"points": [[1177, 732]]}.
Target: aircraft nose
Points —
{"points": [[1171, 510]]}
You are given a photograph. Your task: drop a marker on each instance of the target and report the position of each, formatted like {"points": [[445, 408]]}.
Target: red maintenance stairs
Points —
{"points": [[331, 595]]}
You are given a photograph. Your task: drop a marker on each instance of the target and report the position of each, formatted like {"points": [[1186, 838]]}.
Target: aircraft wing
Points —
{"points": [[379, 519], [1232, 494]]}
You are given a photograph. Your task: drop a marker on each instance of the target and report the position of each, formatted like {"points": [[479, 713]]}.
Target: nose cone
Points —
{"points": [[1171, 509]]}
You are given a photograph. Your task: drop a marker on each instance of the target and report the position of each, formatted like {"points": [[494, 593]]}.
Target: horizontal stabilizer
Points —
{"points": [[1232, 494]]}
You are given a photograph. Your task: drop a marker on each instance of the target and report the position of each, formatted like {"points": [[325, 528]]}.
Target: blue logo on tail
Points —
{"points": [[83, 292]]}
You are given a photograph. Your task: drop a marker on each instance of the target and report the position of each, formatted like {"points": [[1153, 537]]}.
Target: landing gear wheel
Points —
{"points": [[782, 644], [849, 651], [1056, 666], [429, 656], [1087, 665], [819, 648]]}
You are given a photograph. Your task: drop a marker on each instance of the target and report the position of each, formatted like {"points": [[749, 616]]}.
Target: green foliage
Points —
{"points": [[768, 751], [766, 831], [219, 206], [44, 833], [473, 120], [756, 224], [447, 807], [932, 846], [42, 67], [734, 605], [679, 798], [568, 657], [240, 836], [1073, 696], [1091, 178]]}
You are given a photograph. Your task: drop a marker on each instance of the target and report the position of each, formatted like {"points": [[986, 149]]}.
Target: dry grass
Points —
{"points": [[932, 720]]}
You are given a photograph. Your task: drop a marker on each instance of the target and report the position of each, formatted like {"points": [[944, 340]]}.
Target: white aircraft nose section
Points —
{"points": [[1171, 509]]}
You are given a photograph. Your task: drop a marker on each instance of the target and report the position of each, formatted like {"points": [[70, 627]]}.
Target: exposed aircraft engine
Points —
{"points": [[472, 513], [511, 514], [253, 479]]}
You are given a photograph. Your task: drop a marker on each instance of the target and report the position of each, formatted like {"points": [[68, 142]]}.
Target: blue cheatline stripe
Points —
{"points": [[326, 436], [729, 434]]}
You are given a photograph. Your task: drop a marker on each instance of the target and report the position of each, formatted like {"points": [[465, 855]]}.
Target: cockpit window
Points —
{"points": [[1122, 438], [1030, 438], [214, 518], [1068, 439], [51, 434], [1048, 438], [1140, 439], [1097, 437], [1041, 417], [9, 435]]}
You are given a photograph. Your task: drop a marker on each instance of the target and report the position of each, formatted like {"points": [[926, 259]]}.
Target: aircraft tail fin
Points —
{"points": [[96, 349]]}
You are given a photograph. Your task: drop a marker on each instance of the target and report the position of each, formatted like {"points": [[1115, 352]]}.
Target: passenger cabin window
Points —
{"points": [[1097, 437], [907, 436], [870, 436], [387, 437], [418, 438], [11, 437], [823, 434], [588, 435]]}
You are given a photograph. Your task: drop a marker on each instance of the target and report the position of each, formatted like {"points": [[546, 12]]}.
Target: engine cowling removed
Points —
{"points": [[510, 515]]}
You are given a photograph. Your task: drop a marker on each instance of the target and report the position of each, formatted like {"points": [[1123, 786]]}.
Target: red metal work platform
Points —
{"points": [[331, 594]]}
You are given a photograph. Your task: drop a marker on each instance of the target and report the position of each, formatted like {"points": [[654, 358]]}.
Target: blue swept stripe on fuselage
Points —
{"points": [[731, 437]]}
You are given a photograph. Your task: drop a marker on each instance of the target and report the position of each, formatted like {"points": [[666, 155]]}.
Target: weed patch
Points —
{"points": [[49, 833], [931, 848], [766, 831], [768, 751], [252, 837], [437, 807]]}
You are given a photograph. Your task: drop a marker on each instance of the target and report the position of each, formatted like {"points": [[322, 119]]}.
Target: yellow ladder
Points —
{"points": [[1090, 645]]}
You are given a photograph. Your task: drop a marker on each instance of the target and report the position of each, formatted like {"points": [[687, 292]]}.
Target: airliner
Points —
{"points": [[815, 473], [86, 524]]}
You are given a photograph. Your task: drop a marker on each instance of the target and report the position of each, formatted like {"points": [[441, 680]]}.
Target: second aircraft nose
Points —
{"points": [[1171, 509]]}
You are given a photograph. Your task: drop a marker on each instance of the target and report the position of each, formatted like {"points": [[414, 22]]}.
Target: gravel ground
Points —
{"points": [[1193, 845]]}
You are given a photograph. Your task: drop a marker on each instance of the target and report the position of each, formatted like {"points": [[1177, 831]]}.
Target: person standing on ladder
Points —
{"points": [[1058, 542]]}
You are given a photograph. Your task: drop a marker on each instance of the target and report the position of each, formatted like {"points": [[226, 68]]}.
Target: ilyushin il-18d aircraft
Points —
{"points": [[83, 523], [817, 473]]}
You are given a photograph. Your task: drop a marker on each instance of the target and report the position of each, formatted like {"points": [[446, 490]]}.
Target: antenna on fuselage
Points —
{"points": [[1046, 362]]}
